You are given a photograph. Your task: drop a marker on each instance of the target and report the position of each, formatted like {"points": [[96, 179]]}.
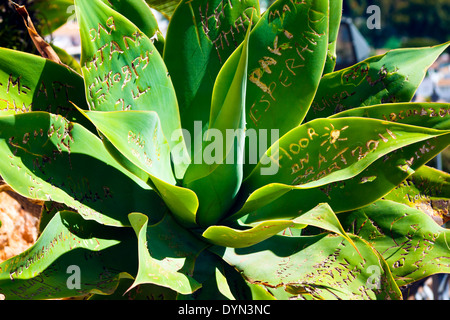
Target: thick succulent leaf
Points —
{"points": [[141, 292], [45, 157], [429, 115], [413, 245], [223, 170], [167, 254], [201, 36], [239, 288], [235, 238], [55, 14], [287, 52], [139, 12], [433, 182], [69, 246], [321, 216], [279, 201], [32, 83], [135, 140], [334, 17], [391, 77], [123, 70], [324, 266], [138, 136], [208, 270], [428, 190], [67, 59], [329, 150], [166, 7]]}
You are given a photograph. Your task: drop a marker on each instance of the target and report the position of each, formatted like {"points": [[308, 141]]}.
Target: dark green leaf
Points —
{"points": [[227, 115], [200, 38], [70, 252], [324, 267], [45, 157], [167, 254]]}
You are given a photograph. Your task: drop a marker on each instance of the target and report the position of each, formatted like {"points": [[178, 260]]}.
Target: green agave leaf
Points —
{"points": [[413, 245], [166, 7], [48, 158], [209, 271], [429, 115], [323, 266], [31, 83], [227, 114], [235, 238], [220, 281], [431, 181], [69, 246], [428, 190], [287, 50], [279, 201], [329, 150], [321, 216], [141, 292], [55, 14], [167, 254], [139, 12], [136, 141], [138, 136], [391, 77], [287, 53], [335, 15], [67, 59], [123, 71], [202, 34], [241, 289]]}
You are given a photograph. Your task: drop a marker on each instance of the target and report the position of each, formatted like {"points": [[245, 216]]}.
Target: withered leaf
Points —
{"points": [[42, 46]]}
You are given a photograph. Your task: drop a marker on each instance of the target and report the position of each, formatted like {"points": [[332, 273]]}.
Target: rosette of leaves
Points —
{"points": [[226, 161]]}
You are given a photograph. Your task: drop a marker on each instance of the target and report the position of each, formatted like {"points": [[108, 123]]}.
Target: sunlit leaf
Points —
{"points": [[388, 78], [412, 244], [324, 267], [123, 70], [427, 190], [172, 255]]}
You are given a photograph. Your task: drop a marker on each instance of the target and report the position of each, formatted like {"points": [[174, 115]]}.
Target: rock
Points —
{"points": [[20, 223]]}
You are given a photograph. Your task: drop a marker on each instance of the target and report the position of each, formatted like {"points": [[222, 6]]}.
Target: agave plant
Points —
{"points": [[227, 160]]}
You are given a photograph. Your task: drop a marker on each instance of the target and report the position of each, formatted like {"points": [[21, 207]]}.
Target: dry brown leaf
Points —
{"points": [[42, 46]]}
